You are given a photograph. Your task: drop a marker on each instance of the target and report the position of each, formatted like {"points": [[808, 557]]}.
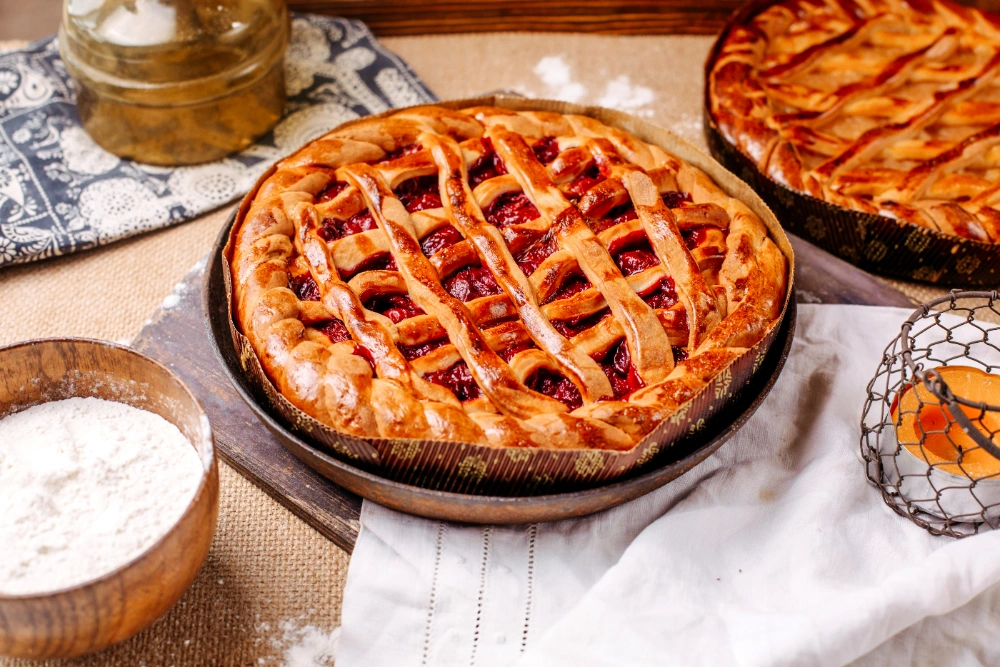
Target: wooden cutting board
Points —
{"points": [[177, 335]]}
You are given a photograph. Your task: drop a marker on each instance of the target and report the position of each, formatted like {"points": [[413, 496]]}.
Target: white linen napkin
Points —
{"points": [[774, 551]]}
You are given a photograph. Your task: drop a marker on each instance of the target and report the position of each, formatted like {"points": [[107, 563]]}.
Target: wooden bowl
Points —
{"points": [[91, 616]]}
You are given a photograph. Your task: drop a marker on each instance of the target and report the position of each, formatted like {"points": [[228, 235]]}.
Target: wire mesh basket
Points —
{"points": [[930, 429]]}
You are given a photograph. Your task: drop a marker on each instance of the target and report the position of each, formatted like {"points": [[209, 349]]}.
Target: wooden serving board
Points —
{"points": [[178, 336]]}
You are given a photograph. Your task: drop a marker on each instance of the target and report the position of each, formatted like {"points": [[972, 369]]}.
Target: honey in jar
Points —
{"points": [[173, 82]]}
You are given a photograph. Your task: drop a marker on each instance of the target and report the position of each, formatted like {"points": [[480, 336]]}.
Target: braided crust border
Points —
{"points": [[337, 387]]}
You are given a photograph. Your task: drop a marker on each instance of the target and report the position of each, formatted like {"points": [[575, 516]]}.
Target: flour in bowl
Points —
{"points": [[86, 485]]}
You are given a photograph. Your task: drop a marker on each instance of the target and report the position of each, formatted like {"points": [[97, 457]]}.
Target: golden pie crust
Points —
{"points": [[880, 106], [502, 278]]}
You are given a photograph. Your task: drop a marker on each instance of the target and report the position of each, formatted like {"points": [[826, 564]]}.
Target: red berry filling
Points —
{"points": [[364, 353], [487, 166], [380, 261], [695, 237], [532, 257], [617, 365], [334, 330], [508, 353], [402, 151], [588, 179], [680, 354], [673, 198], [418, 194], [555, 386], [633, 254], [333, 189], [664, 295], [471, 282], [576, 325], [337, 229], [304, 287], [511, 208], [546, 149], [412, 352], [458, 378], [397, 307], [615, 216], [572, 284], [440, 239]]}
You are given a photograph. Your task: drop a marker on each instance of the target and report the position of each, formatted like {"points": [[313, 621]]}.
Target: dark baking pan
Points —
{"points": [[875, 243], [469, 508]]}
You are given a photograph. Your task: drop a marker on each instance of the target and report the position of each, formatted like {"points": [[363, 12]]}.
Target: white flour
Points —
{"points": [[301, 644], [619, 93], [86, 485]]}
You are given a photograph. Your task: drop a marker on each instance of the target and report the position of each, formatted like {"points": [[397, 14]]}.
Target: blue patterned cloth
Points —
{"points": [[61, 193]]}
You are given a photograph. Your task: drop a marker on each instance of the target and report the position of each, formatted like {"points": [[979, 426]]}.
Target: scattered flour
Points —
{"points": [[622, 94], [86, 485], [302, 644], [555, 73], [174, 298], [619, 93]]}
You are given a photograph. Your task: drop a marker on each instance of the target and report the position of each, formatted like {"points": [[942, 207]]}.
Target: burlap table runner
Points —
{"points": [[269, 575]]}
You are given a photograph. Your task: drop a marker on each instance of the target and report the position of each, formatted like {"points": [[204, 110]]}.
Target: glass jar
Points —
{"points": [[175, 82]]}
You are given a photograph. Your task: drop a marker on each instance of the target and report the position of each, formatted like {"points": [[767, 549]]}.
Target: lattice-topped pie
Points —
{"points": [[520, 279], [881, 106]]}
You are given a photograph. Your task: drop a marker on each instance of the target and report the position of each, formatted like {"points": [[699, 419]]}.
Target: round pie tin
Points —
{"points": [[486, 508], [875, 243], [468, 468]]}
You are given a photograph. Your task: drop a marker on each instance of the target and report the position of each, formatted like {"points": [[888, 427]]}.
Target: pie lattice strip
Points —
{"points": [[355, 375], [881, 106]]}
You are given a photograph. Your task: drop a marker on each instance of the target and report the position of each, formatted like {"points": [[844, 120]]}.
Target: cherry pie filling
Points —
{"points": [[577, 325], [440, 239], [546, 150], [305, 287], [457, 378], [471, 282], [511, 208], [412, 352], [380, 261], [397, 307], [571, 285], [533, 256], [331, 191], [585, 181], [333, 229], [555, 386], [662, 296], [418, 194], [487, 166], [633, 254], [617, 365], [333, 329]]}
